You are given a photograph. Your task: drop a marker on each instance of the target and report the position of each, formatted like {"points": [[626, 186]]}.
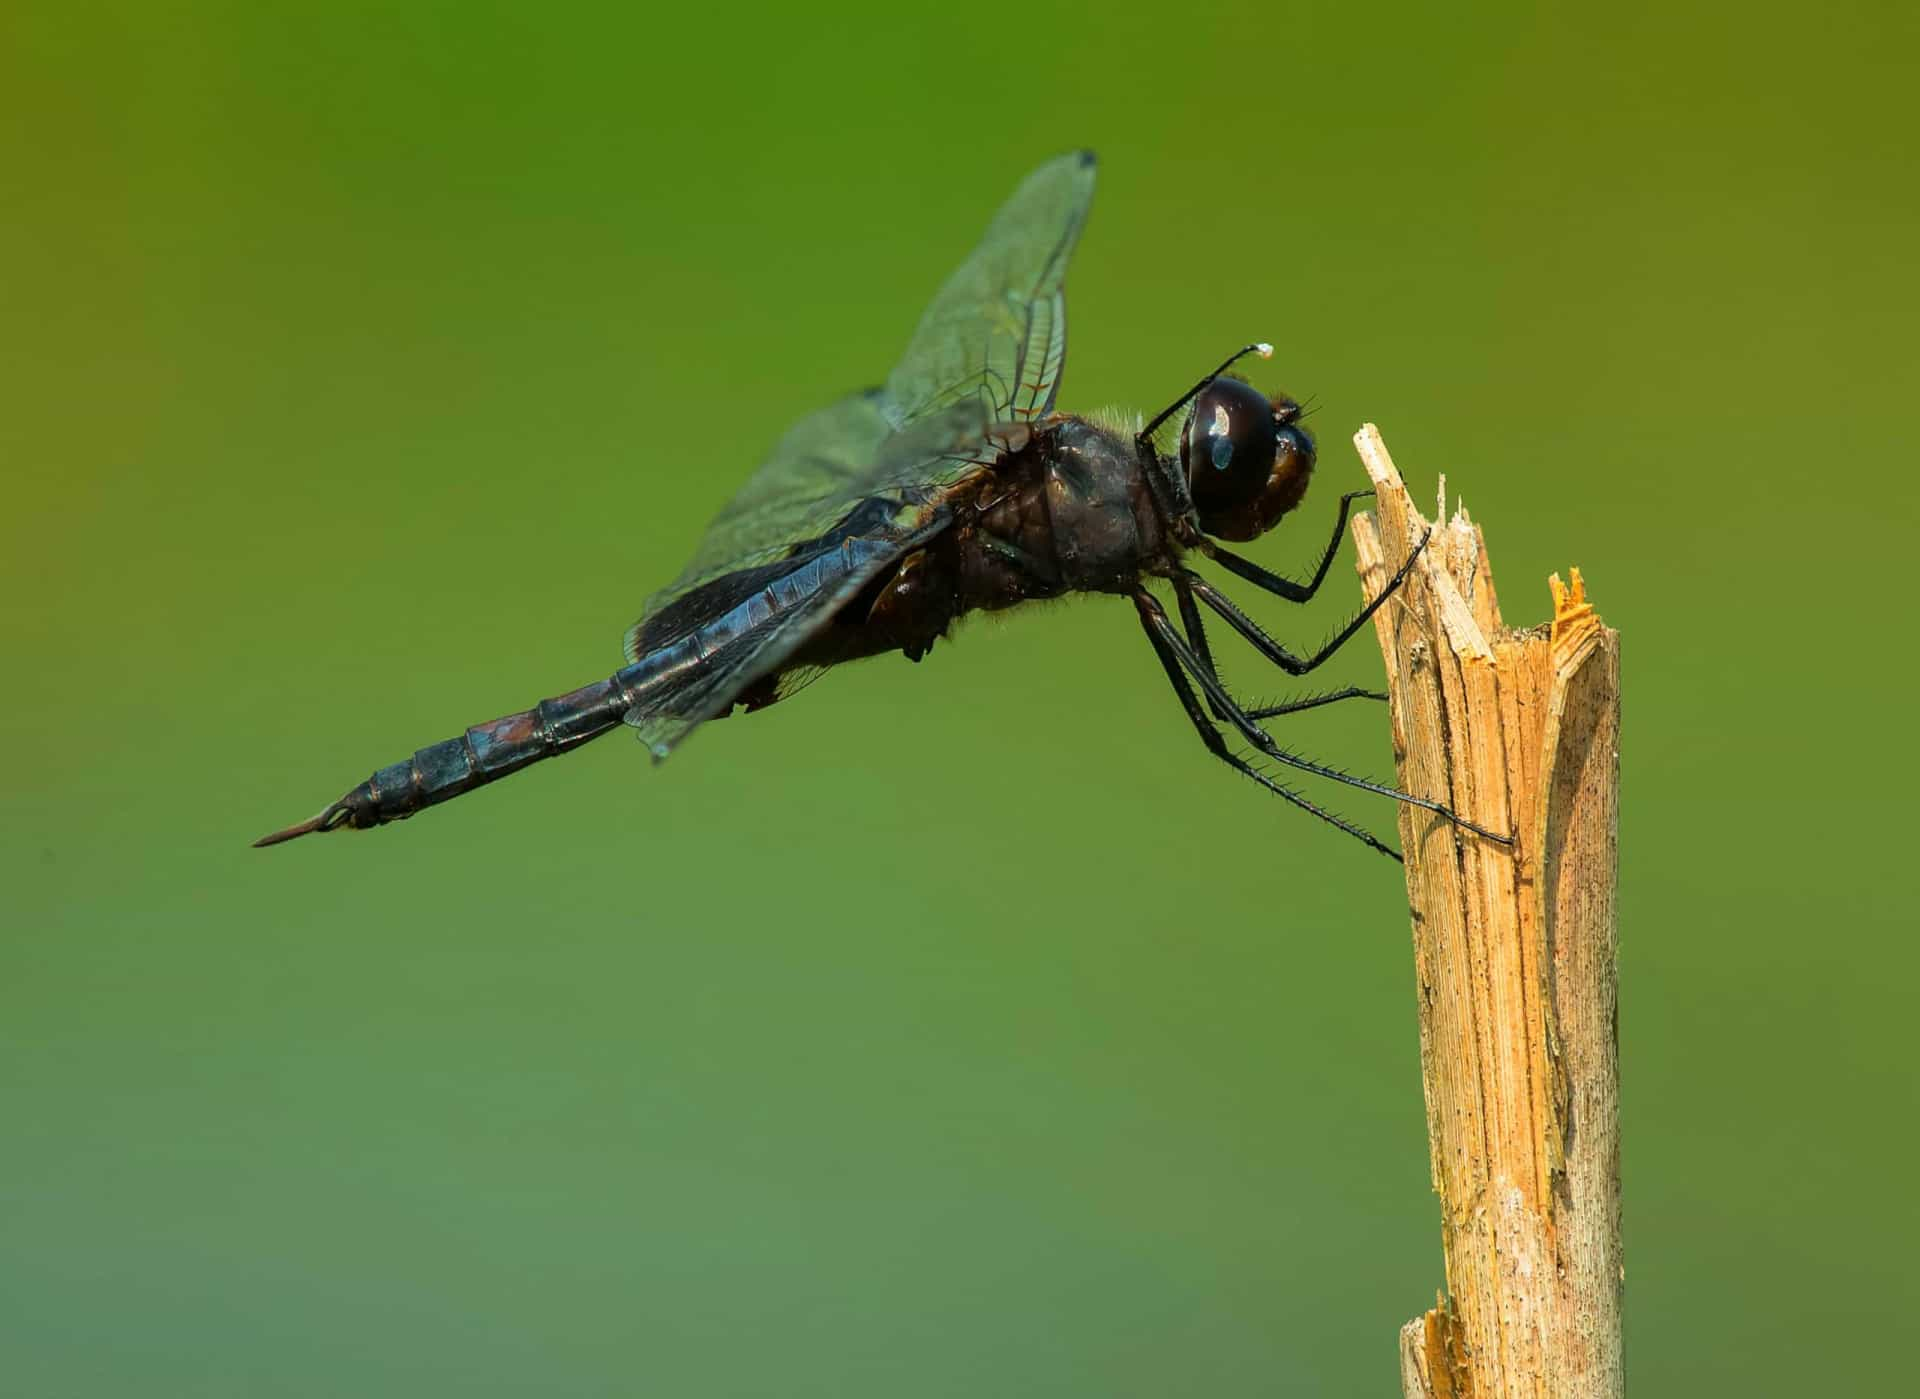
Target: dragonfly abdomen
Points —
{"points": [[484, 753], [665, 682]]}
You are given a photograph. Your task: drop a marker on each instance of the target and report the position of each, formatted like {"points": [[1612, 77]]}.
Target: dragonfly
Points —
{"points": [[954, 487]]}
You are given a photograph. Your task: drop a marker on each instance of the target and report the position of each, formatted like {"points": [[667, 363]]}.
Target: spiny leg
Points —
{"points": [[1273, 650], [1283, 587], [1271, 711], [1154, 621], [1197, 638], [1286, 587], [1196, 629]]}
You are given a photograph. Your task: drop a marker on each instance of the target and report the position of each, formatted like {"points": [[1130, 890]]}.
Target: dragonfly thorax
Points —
{"points": [[1103, 520]]}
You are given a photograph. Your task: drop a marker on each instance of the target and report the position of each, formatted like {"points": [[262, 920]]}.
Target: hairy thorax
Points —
{"points": [[1064, 510]]}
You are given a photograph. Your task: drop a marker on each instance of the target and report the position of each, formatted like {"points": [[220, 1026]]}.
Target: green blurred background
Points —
{"points": [[956, 1029]]}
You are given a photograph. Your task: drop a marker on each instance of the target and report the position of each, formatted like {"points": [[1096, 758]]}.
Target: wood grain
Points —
{"points": [[1514, 957]]}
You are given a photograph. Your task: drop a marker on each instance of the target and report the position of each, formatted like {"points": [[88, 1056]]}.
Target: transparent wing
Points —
{"points": [[997, 330], [803, 488], [804, 601], [995, 335], [739, 625], [851, 487]]}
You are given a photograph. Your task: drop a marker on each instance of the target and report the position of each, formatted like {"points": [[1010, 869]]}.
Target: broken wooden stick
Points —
{"points": [[1514, 953]]}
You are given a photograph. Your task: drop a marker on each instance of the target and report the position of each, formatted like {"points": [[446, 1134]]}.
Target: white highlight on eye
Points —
{"points": [[1264, 350], [1222, 424]]}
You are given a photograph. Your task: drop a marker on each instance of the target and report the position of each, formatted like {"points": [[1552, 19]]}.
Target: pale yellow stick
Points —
{"points": [[1513, 955]]}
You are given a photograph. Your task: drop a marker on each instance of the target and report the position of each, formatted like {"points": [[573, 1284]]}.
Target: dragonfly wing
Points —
{"points": [[807, 598], [854, 486], [993, 337], [997, 330], [807, 483], [756, 615]]}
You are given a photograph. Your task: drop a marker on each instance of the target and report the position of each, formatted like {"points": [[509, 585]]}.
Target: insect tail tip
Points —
{"points": [[326, 820]]}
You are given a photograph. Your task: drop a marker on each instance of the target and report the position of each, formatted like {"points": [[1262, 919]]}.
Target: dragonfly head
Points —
{"points": [[1246, 457]]}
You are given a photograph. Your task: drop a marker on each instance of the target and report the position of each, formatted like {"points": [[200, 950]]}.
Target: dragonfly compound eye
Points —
{"points": [[1246, 459]]}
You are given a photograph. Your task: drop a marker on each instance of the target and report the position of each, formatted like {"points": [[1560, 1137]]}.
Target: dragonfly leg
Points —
{"points": [[1273, 650], [1154, 618], [1195, 628], [1286, 587], [1273, 711], [1159, 629], [1196, 631]]}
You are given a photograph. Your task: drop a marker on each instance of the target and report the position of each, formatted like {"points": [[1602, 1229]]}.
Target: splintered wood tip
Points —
{"points": [[1573, 615]]}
